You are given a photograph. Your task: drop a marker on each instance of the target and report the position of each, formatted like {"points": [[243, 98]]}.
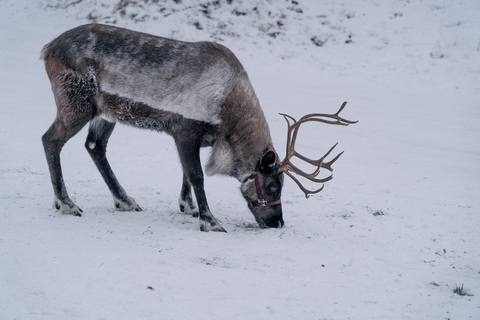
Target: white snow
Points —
{"points": [[390, 237]]}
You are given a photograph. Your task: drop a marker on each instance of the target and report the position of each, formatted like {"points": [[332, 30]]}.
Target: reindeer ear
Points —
{"points": [[268, 163]]}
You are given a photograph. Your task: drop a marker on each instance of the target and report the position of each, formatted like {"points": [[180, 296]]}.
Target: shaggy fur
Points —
{"points": [[199, 93]]}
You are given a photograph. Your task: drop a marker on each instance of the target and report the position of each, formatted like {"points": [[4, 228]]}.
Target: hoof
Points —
{"points": [[211, 225], [129, 205], [68, 207], [188, 208]]}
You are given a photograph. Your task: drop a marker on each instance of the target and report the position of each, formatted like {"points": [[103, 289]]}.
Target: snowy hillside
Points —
{"points": [[392, 236]]}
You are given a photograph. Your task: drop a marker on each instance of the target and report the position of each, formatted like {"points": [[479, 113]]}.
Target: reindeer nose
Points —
{"points": [[275, 222], [279, 221]]}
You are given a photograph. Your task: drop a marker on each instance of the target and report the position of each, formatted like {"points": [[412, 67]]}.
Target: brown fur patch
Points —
{"points": [[54, 67], [245, 126]]}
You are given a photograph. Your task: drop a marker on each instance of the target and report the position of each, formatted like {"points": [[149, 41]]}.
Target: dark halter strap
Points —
{"points": [[261, 202]]}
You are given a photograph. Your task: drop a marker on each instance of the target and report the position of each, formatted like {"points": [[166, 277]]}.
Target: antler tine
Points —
{"points": [[340, 121], [319, 162], [312, 176], [290, 127], [306, 191], [288, 168], [328, 165], [290, 148], [341, 108], [288, 116]]}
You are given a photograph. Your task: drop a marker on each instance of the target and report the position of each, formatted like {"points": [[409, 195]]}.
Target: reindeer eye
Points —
{"points": [[273, 188]]}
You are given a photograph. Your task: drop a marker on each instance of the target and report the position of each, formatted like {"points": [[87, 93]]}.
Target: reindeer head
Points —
{"points": [[262, 189]]}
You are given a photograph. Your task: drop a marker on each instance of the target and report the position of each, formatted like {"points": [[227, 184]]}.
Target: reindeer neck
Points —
{"points": [[246, 129]]}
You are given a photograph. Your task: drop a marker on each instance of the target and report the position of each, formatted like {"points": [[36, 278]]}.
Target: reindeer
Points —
{"points": [[198, 93]]}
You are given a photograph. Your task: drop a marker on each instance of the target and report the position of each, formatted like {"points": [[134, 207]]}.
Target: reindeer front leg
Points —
{"points": [[185, 202], [189, 150]]}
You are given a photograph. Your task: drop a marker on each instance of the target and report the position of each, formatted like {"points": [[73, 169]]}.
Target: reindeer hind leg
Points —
{"points": [[75, 107]]}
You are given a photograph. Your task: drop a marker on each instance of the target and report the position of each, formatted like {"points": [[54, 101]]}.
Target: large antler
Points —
{"points": [[287, 167]]}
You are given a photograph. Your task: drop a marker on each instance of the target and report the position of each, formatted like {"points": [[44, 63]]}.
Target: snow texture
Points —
{"points": [[390, 237]]}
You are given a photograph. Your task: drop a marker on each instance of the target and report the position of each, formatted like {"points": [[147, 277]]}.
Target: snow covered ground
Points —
{"points": [[390, 237]]}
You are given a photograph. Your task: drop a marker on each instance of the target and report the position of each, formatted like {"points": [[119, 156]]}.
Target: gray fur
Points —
{"points": [[197, 92]]}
